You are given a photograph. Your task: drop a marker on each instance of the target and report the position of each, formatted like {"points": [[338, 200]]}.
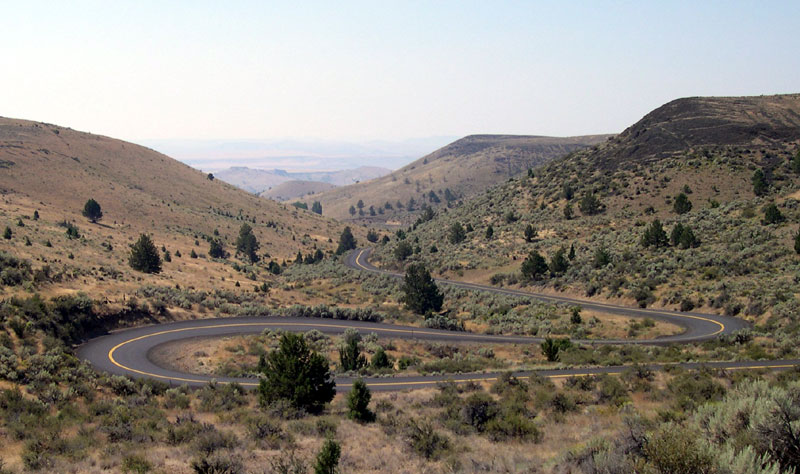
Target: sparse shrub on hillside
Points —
{"points": [[590, 205], [403, 250], [772, 215], [759, 180], [144, 256], [92, 211], [529, 233], [682, 204]]}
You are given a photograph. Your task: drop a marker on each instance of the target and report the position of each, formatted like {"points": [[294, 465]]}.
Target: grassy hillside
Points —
{"points": [[708, 150], [53, 171], [446, 176], [296, 189]]}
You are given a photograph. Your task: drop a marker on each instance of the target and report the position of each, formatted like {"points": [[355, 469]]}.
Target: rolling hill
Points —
{"points": [[452, 173], [296, 189], [52, 171], [258, 180], [709, 150]]}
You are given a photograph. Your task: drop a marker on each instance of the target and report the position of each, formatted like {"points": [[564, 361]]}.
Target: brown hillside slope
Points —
{"points": [[296, 189], [465, 167], [54, 170]]}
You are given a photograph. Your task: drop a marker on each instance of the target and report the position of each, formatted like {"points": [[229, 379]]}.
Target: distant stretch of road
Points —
{"points": [[697, 326], [127, 352]]}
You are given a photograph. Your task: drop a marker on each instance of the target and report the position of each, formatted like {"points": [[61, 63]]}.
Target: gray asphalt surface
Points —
{"points": [[127, 352]]}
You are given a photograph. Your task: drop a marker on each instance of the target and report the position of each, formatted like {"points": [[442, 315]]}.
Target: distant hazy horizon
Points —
{"points": [[361, 71]]}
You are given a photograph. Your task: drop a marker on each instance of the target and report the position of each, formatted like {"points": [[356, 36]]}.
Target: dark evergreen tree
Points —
{"points": [[274, 268], [144, 256], [247, 243], [371, 210], [327, 461], [298, 260], [360, 204], [358, 403], [601, 258], [36, 215], [568, 212], [372, 236], [772, 215], [489, 232], [760, 185], [300, 205], [534, 267], [403, 251], [530, 233], [654, 235], [7, 234], [92, 211], [346, 241], [216, 250], [421, 294], [796, 162], [683, 237], [682, 204], [316, 207], [295, 373], [350, 355], [571, 254], [568, 192], [590, 204], [559, 263], [380, 360], [352, 210], [797, 242], [457, 233], [551, 348]]}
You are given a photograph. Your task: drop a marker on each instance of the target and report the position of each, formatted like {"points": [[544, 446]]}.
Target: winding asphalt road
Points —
{"points": [[127, 352]]}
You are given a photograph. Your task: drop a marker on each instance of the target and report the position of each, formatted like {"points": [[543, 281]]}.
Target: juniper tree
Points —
{"points": [[489, 232], [358, 403], [316, 207], [92, 211], [144, 256], [682, 204], [350, 355], [421, 294], [530, 233], [295, 373], [590, 204], [534, 266], [559, 263], [772, 215], [247, 243], [457, 233], [346, 241], [759, 180], [654, 235]]}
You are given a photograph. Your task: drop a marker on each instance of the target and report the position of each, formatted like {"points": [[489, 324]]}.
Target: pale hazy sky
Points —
{"points": [[382, 69]]}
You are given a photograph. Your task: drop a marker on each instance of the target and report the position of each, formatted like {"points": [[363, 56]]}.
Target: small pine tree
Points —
{"points": [[358, 403], [551, 348], [457, 233], [92, 211], [216, 249], [328, 458], [530, 233], [760, 185], [144, 256], [352, 210], [346, 241], [568, 212], [772, 215], [654, 235], [403, 251], [167, 256], [559, 263], [534, 266], [193, 254], [682, 204], [372, 236], [571, 254], [295, 373], [590, 205], [575, 318], [350, 355], [421, 294], [489, 232], [316, 207], [7, 233], [797, 242], [247, 243], [380, 360], [36, 215], [601, 258]]}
